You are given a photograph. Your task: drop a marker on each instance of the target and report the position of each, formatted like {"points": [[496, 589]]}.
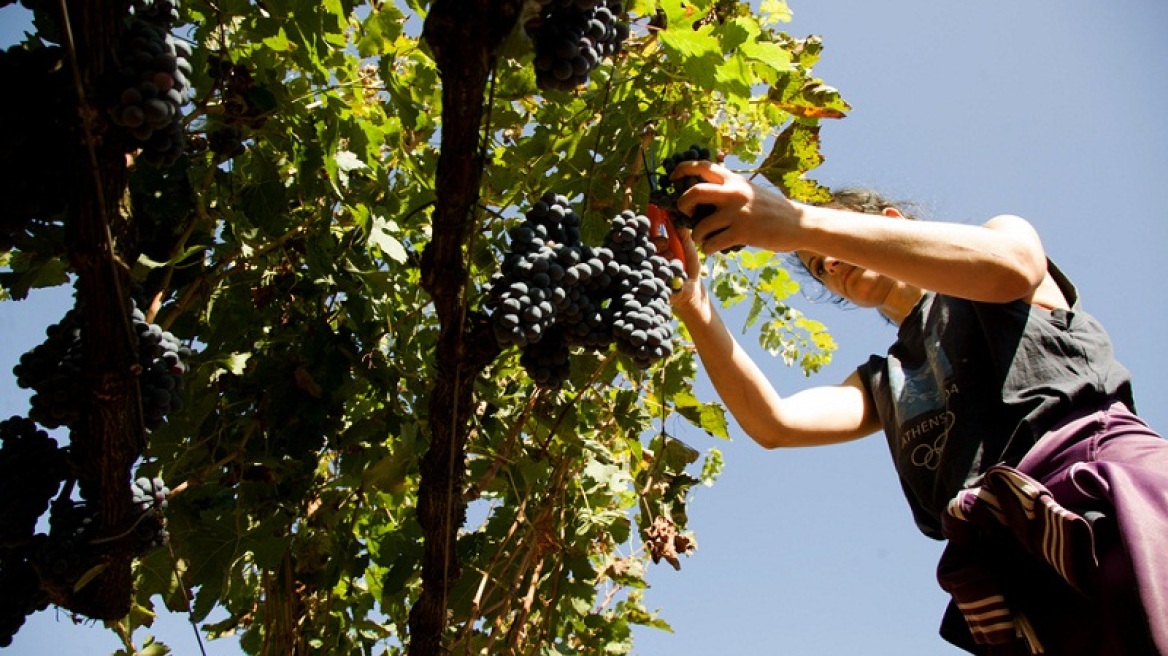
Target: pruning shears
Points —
{"points": [[661, 209]]}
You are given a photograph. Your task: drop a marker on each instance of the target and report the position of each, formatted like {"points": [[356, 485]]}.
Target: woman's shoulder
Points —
{"points": [[1055, 292], [1064, 285]]}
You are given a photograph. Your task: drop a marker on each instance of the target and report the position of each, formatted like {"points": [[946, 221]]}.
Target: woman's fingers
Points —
{"points": [[691, 291], [689, 253], [728, 204], [711, 225], [704, 169], [693, 261], [743, 214], [721, 240], [702, 193]]}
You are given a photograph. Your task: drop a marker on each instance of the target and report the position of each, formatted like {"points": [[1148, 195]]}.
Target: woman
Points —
{"points": [[1010, 423]]}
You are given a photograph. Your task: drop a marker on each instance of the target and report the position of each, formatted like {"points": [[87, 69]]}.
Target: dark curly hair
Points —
{"points": [[866, 201]]}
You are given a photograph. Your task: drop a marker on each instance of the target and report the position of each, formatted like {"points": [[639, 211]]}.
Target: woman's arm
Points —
{"points": [[1000, 261], [819, 415]]}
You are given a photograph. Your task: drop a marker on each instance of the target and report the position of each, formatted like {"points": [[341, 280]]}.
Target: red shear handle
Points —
{"points": [[658, 219]]}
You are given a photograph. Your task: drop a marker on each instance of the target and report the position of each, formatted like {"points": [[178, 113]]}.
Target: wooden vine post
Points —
{"points": [[110, 436], [463, 35]]}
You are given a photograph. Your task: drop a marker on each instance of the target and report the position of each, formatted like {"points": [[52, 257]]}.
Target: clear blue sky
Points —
{"points": [[1052, 110]]}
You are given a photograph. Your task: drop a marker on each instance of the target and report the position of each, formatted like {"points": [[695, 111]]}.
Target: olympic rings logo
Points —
{"points": [[929, 455]]}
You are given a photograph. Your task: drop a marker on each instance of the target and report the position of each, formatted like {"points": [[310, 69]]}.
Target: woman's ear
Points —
{"points": [[892, 212]]}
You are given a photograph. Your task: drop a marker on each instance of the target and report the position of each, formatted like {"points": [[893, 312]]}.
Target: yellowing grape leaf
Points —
{"points": [[795, 152], [774, 11]]}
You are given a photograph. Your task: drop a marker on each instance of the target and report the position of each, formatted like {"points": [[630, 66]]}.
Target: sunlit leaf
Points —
{"points": [[712, 467], [775, 11], [772, 54], [796, 152]]}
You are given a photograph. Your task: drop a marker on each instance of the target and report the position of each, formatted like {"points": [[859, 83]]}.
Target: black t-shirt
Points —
{"points": [[968, 385]]}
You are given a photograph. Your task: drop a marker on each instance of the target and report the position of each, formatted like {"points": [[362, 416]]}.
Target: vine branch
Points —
{"points": [[463, 37]]}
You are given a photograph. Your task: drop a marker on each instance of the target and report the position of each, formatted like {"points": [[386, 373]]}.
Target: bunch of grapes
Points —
{"points": [[37, 135], [158, 12], [72, 521], [72, 548], [161, 356], [52, 370], [32, 468], [587, 317], [525, 305], [675, 188], [20, 596], [572, 37], [641, 316], [226, 141], [548, 361], [554, 292], [153, 83], [530, 287], [67, 552], [149, 498]]}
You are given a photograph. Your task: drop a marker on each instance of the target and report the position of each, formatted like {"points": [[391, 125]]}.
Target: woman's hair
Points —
{"points": [[855, 199], [866, 201]]}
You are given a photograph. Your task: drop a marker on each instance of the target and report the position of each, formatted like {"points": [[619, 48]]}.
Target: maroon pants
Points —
{"points": [[1108, 472]]}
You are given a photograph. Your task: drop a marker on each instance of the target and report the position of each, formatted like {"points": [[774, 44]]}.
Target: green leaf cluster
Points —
{"points": [[293, 270]]}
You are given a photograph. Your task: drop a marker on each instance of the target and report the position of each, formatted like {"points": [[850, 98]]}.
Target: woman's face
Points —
{"points": [[862, 287]]}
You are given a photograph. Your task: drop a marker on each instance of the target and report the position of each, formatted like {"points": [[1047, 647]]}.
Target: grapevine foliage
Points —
{"points": [[275, 218]]}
